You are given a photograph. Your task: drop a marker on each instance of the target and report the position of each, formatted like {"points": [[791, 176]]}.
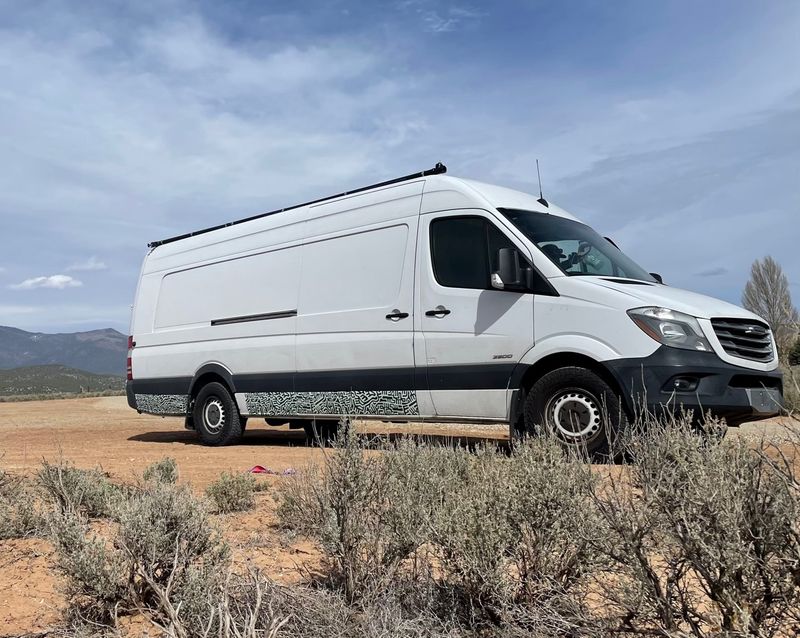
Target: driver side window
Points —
{"points": [[464, 251]]}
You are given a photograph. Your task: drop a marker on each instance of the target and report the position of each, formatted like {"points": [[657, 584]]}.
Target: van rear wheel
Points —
{"points": [[216, 416], [578, 408]]}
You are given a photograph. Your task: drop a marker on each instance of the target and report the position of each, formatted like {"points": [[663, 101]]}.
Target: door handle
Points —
{"points": [[438, 312], [396, 315]]}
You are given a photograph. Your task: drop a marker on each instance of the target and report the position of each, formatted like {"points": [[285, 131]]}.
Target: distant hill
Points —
{"points": [[55, 379], [98, 351]]}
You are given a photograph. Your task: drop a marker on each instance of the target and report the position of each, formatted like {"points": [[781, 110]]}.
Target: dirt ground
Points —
{"points": [[104, 432]]}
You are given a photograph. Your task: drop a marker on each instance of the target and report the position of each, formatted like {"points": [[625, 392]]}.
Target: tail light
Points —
{"points": [[131, 345]]}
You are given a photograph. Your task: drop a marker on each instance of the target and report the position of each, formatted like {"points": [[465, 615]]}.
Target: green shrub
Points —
{"points": [[699, 535], [164, 558], [232, 493], [163, 471], [76, 490], [176, 555], [364, 509], [503, 531], [18, 514], [95, 575], [698, 532], [705, 534]]}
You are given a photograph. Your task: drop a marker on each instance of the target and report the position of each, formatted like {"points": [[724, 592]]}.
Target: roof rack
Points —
{"points": [[436, 170]]}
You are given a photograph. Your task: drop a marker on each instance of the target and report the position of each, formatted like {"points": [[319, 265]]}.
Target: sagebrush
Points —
{"points": [[163, 471], [19, 516], [78, 490], [232, 492], [698, 533]]}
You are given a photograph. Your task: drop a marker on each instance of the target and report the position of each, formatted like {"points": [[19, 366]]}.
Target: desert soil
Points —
{"points": [[103, 432]]}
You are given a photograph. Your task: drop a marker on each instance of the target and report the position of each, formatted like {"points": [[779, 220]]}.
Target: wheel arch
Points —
{"points": [[525, 376], [208, 373]]}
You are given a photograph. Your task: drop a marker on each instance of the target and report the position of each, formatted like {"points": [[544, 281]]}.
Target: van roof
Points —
{"points": [[436, 182], [502, 197]]}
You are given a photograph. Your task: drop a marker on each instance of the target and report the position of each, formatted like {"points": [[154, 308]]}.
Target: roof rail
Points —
{"points": [[436, 170]]}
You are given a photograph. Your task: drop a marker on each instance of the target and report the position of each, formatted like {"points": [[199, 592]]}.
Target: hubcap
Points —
{"points": [[575, 416], [214, 414]]}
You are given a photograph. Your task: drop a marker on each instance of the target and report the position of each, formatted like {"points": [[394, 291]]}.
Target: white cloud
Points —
{"points": [[2, 270], [440, 17], [166, 124], [53, 281], [90, 264]]}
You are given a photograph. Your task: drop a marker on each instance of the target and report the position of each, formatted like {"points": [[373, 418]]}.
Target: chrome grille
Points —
{"points": [[744, 338]]}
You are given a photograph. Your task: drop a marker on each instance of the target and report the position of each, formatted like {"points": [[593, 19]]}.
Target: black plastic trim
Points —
{"points": [[215, 369], [129, 395], [161, 385], [720, 388], [281, 314], [492, 376]]}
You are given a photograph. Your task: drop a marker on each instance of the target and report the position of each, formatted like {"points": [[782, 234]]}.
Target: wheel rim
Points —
{"points": [[213, 415], [575, 416]]}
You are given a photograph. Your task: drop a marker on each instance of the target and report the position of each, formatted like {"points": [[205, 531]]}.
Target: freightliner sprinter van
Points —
{"points": [[432, 297]]}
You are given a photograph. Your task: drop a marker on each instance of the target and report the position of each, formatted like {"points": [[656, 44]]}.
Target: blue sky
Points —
{"points": [[673, 127]]}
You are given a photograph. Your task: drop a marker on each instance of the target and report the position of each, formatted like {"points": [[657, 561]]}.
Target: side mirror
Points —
{"points": [[657, 277], [508, 272]]}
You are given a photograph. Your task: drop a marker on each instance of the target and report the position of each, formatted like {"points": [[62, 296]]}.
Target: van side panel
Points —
{"points": [[227, 291], [241, 301], [236, 311], [358, 267]]}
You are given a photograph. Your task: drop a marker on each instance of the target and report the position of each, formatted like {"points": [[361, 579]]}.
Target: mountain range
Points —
{"points": [[95, 351]]}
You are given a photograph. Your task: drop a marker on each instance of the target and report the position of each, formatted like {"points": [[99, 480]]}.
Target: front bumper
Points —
{"points": [[671, 380]]}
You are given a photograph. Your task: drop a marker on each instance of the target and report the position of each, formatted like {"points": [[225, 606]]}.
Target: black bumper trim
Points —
{"points": [[719, 387]]}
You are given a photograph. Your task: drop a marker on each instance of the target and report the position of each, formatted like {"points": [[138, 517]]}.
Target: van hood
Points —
{"points": [[691, 303]]}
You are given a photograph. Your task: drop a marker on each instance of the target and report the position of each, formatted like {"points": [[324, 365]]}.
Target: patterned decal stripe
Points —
{"points": [[366, 402], [162, 403]]}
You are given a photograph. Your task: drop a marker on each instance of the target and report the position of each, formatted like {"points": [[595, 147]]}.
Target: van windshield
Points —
{"points": [[574, 247]]}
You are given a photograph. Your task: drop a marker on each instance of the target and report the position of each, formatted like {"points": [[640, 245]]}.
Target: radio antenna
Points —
{"points": [[541, 199]]}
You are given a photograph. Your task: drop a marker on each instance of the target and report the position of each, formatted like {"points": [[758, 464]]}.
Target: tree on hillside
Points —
{"points": [[767, 294]]}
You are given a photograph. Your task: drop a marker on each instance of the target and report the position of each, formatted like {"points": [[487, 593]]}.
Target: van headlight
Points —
{"points": [[671, 328]]}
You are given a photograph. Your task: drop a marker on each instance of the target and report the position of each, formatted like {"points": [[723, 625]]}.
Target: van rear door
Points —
{"points": [[472, 335]]}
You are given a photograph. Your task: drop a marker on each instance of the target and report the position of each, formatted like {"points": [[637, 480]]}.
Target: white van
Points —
{"points": [[432, 297]]}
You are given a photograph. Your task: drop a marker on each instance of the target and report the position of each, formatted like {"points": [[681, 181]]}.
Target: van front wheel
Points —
{"points": [[216, 416], [578, 408]]}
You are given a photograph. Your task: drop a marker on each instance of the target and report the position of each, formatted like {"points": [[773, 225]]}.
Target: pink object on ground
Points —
{"points": [[260, 469]]}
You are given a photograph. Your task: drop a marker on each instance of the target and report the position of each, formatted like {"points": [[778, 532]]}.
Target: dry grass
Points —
{"points": [[233, 493], [19, 516], [696, 535], [75, 490]]}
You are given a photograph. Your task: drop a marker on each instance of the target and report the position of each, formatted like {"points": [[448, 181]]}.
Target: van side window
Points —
{"points": [[464, 251]]}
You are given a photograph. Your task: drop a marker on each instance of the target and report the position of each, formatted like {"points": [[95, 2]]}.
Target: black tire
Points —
{"points": [[579, 408], [275, 422], [216, 417]]}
